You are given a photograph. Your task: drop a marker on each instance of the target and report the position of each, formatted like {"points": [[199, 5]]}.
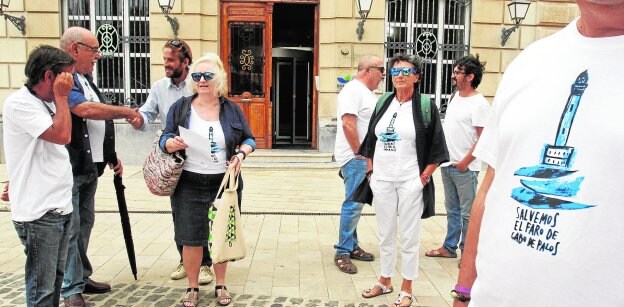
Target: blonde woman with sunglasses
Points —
{"points": [[221, 121]]}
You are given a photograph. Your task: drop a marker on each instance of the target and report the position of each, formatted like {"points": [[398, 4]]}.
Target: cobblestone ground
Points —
{"points": [[12, 294]]}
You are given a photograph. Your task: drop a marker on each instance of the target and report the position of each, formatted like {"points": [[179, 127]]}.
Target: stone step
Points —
{"points": [[289, 156], [291, 165], [289, 159]]}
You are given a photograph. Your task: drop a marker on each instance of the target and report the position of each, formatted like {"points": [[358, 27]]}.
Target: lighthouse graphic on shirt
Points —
{"points": [[554, 183], [390, 137]]}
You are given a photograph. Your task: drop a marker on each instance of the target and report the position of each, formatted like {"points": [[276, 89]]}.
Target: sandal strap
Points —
{"points": [[220, 287], [383, 288], [403, 295]]}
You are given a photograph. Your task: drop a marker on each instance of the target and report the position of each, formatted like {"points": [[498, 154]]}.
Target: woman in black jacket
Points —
{"points": [[403, 147], [221, 121]]}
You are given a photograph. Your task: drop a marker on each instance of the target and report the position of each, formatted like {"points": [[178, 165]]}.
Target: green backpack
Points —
{"points": [[425, 106]]}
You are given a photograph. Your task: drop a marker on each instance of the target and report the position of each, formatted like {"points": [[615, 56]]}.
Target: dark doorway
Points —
{"points": [[293, 57]]}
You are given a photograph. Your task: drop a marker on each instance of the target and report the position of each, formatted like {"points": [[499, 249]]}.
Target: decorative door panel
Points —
{"points": [[246, 29]]}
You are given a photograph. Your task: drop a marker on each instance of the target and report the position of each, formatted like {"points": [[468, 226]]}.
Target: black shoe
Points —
{"points": [[74, 300], [94, 287]]}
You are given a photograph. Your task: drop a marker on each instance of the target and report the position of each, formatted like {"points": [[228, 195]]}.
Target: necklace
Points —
{"points": [[42, 102]]}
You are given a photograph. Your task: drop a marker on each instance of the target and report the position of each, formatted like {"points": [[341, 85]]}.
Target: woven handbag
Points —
{"points": [[162, 171]]}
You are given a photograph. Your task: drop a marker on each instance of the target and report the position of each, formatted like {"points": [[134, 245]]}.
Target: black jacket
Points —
{"points": [[430, 144], [79, 148]]}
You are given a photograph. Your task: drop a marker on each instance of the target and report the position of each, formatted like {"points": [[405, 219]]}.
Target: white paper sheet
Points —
{"points": [[198, 146]]}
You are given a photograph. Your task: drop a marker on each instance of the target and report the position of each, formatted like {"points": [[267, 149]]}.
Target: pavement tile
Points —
{"points": [[289, 256]]}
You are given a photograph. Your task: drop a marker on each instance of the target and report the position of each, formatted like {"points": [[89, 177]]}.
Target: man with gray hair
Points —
{"points": [[92, 143], [356, 103]]}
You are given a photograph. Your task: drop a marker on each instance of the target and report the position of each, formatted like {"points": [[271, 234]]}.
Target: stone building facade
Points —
{"points": [[313, 43]]}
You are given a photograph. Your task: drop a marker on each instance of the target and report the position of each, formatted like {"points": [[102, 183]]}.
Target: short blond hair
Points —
{"points": [[220, 77]]}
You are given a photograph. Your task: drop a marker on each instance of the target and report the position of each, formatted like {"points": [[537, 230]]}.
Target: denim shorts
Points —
{"points": [[190, 202]]}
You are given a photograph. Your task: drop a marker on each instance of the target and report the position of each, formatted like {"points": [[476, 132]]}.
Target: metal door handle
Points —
{"points": [[246, 100]]}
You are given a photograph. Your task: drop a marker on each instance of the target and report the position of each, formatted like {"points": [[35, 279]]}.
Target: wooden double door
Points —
{"points": [[247, 54]]}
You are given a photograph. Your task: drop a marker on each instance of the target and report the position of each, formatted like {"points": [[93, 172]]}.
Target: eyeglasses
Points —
{"points": [[455, 72], [406, 71], [93, 49], [380, 68], [198, 75]]}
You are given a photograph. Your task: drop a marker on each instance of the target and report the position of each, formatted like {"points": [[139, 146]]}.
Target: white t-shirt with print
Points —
{"points": [[552, 235], [463, 116], [354, 98], [395, 151], [39, 171], [215, 139]]}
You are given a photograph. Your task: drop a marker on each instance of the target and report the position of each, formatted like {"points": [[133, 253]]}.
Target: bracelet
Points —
{"points": [[243, 152], [460, 296], [462, 290], [427, 178]]}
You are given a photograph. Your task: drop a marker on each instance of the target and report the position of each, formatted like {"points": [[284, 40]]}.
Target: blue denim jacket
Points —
{"points": [[235, 127]]}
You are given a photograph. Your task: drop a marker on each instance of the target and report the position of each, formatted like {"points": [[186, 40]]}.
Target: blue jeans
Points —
{"points": [[353, 173], [45, 243], [78, 267], [459, 191]]}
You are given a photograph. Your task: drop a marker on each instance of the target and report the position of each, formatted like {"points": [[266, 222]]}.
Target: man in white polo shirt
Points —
{"points": [[37, 125]]}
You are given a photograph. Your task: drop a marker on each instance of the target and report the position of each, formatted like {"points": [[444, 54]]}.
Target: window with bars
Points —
{"points": [[435, 30], [122, 29]]}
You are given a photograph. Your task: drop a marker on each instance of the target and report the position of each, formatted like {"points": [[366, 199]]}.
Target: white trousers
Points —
{"points": [[393, 201]]}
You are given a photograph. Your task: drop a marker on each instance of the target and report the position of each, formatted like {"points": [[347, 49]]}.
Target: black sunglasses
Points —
{"points": [[198, 75], [179, 45], [381, 69]]}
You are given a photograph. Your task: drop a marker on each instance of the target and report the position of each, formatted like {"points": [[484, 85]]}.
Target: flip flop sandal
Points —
{"points": [[344, 264], [377, 290], [440, 253], [224, 296], [191, 298], [360, 254], [402, 296]]}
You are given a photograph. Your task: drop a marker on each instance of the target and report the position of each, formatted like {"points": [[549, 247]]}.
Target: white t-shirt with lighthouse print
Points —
{"points": [[553, 228]]}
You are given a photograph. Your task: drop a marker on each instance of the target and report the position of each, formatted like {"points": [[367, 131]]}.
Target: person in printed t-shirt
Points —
{"points": [[546, 224], [177, 58]]}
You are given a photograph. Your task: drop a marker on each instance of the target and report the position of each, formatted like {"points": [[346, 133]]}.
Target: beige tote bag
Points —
{"points": [[225, 237]]}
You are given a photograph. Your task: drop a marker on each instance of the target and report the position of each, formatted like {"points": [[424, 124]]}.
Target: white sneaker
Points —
{"points": [[179, 272], [205, 275]]}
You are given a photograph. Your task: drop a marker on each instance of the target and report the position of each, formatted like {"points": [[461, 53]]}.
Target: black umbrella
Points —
{"points": [[125, 218]]}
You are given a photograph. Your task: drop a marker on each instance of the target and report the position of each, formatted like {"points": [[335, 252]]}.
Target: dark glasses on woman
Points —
{"points": [[198, 75], [406, 71]]}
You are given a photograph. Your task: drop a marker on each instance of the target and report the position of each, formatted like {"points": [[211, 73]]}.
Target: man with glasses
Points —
{"points": [[466, 114], [92, 143], [177, 58], [356, 103], [37, 125]]}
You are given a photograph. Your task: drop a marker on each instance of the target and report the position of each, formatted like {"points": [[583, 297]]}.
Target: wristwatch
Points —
{"points": [[242, 152], [426, 178], [460, 296]]}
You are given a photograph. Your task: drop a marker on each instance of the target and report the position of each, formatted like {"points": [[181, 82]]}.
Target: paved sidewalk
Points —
{"points": [[290, 221]]}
